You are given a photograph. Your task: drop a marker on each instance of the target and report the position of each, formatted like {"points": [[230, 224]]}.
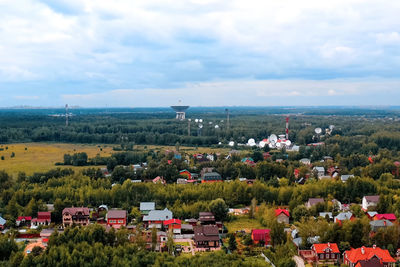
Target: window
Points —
{"points": [[321, 256]]}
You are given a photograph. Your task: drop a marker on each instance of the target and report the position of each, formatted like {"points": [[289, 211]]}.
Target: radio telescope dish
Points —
{"points": [[318, 130], [262, 144], [251, 142], [279, 145], [219, 143], [200, 125], [196, 120], [288, 142], [189, 119], [231, 143], [210, 122], [216, 126], [200, 120], [331, 127], [273, 138]]}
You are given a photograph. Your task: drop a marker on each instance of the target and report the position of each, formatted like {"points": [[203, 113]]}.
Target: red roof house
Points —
{"points": [[261, 235], [353, 256], [116, 218], [23, 221], [326, 253], [387, 216], [43, 218], [282, 216], [174, 224]]}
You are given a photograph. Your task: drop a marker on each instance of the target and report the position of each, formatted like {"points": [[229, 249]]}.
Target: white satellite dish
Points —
{"points": [[210, 122], [273, 138], [231, 143], [219, 143], [189, 119], [288, 142], [261, 144], [216, 126], [200, 120], [196, 120], [278, 145], [251, 141], [200, 125], [318, 130]]}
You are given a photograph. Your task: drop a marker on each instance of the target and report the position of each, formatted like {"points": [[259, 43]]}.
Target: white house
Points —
{"points": [[320, 171], [369, 201]]}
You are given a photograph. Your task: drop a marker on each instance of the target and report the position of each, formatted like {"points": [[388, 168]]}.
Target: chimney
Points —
{"points": [[362, 250], [374, 246], [329, 245]]}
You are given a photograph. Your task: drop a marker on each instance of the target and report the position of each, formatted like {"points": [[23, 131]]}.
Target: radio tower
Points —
{"points": [[287, 128], [227, 119], [66, 115]]}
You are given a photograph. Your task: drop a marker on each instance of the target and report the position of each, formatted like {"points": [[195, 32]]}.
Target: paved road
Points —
{"points": [[299, 261]]}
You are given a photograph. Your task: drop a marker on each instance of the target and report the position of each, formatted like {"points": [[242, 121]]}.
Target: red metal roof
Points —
{"points": [[26, 218], [321, 248], [364, 253], [261, 235], [386, 216], [172, 221], [279, 211]]}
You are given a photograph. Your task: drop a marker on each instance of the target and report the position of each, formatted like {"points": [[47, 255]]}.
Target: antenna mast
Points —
{"points": [[66, 115], [287, 127], [227, 119], [189, 120]]}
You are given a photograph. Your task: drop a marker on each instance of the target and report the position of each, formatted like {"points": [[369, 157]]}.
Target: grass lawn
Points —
{"points": [[41, 157], [243, 223]]}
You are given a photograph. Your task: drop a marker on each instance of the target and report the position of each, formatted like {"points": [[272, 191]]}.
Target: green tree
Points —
{"points": [[219, 208]]}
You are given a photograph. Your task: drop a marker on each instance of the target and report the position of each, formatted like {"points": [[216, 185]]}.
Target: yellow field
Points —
{"points": [[40, 157], [184, 149], [243, 223]]}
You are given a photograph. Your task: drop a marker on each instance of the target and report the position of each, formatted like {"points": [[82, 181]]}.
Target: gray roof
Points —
{"points": [[380, 223], [2, 221], [147, 206], [344, 216], [345, 177], [116, 214], [323, 214], [320, 169], [158, 215], [372, 198], [372, 213], [314, 201]]}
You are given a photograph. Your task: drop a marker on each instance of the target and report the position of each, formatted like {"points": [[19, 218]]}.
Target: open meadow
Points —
{"points": [[41, 157]]}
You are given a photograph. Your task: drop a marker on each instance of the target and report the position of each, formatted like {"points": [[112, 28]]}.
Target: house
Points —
{"points": [[369, 201], [326, 253], [353, 256], [146, 207], [75, 216], [282, 216], [379, 224], [23, 221], [261, 236], [157, 217], [387, 216], [206, 236], [319, 171], [2, 223], [188, 175], [116, 218], [206, 218], [43, 218], [205, 170], [159, 180], [314, 201], [211, 177], [326, 215], [344, 216], [373, 262], [192, 222], [346, 177], [174, 224], [305, 161], [248, 161], [371, 214], [337, 205], [181, 181]]}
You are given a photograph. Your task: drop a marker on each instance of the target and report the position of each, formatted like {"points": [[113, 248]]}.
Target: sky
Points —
{"points": [[152, 53]]}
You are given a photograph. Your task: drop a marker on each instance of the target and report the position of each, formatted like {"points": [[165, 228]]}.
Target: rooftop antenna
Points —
{"points": [[66, 115], [287, 127], [227, 119]]}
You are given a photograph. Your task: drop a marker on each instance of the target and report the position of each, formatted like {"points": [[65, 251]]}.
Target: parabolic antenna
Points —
{"points": [[318, 130], [278, 145], [331, 127], [200, 120], [196, 120], [189, 119], [261, 144], [219, 143], [273, 138], [251, 141], [210, 122], [200, 125], [216, 126], [180, 108], [288, 142], [231, 143]]}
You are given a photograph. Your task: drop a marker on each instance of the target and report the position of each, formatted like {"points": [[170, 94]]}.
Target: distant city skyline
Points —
{"points": [[204, 52]]}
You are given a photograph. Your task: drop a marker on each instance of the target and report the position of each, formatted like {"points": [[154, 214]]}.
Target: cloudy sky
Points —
{"points": [[204, 52]]}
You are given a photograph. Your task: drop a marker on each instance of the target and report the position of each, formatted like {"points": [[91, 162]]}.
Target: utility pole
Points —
{"points": [[66, 115], [189, 120]]}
